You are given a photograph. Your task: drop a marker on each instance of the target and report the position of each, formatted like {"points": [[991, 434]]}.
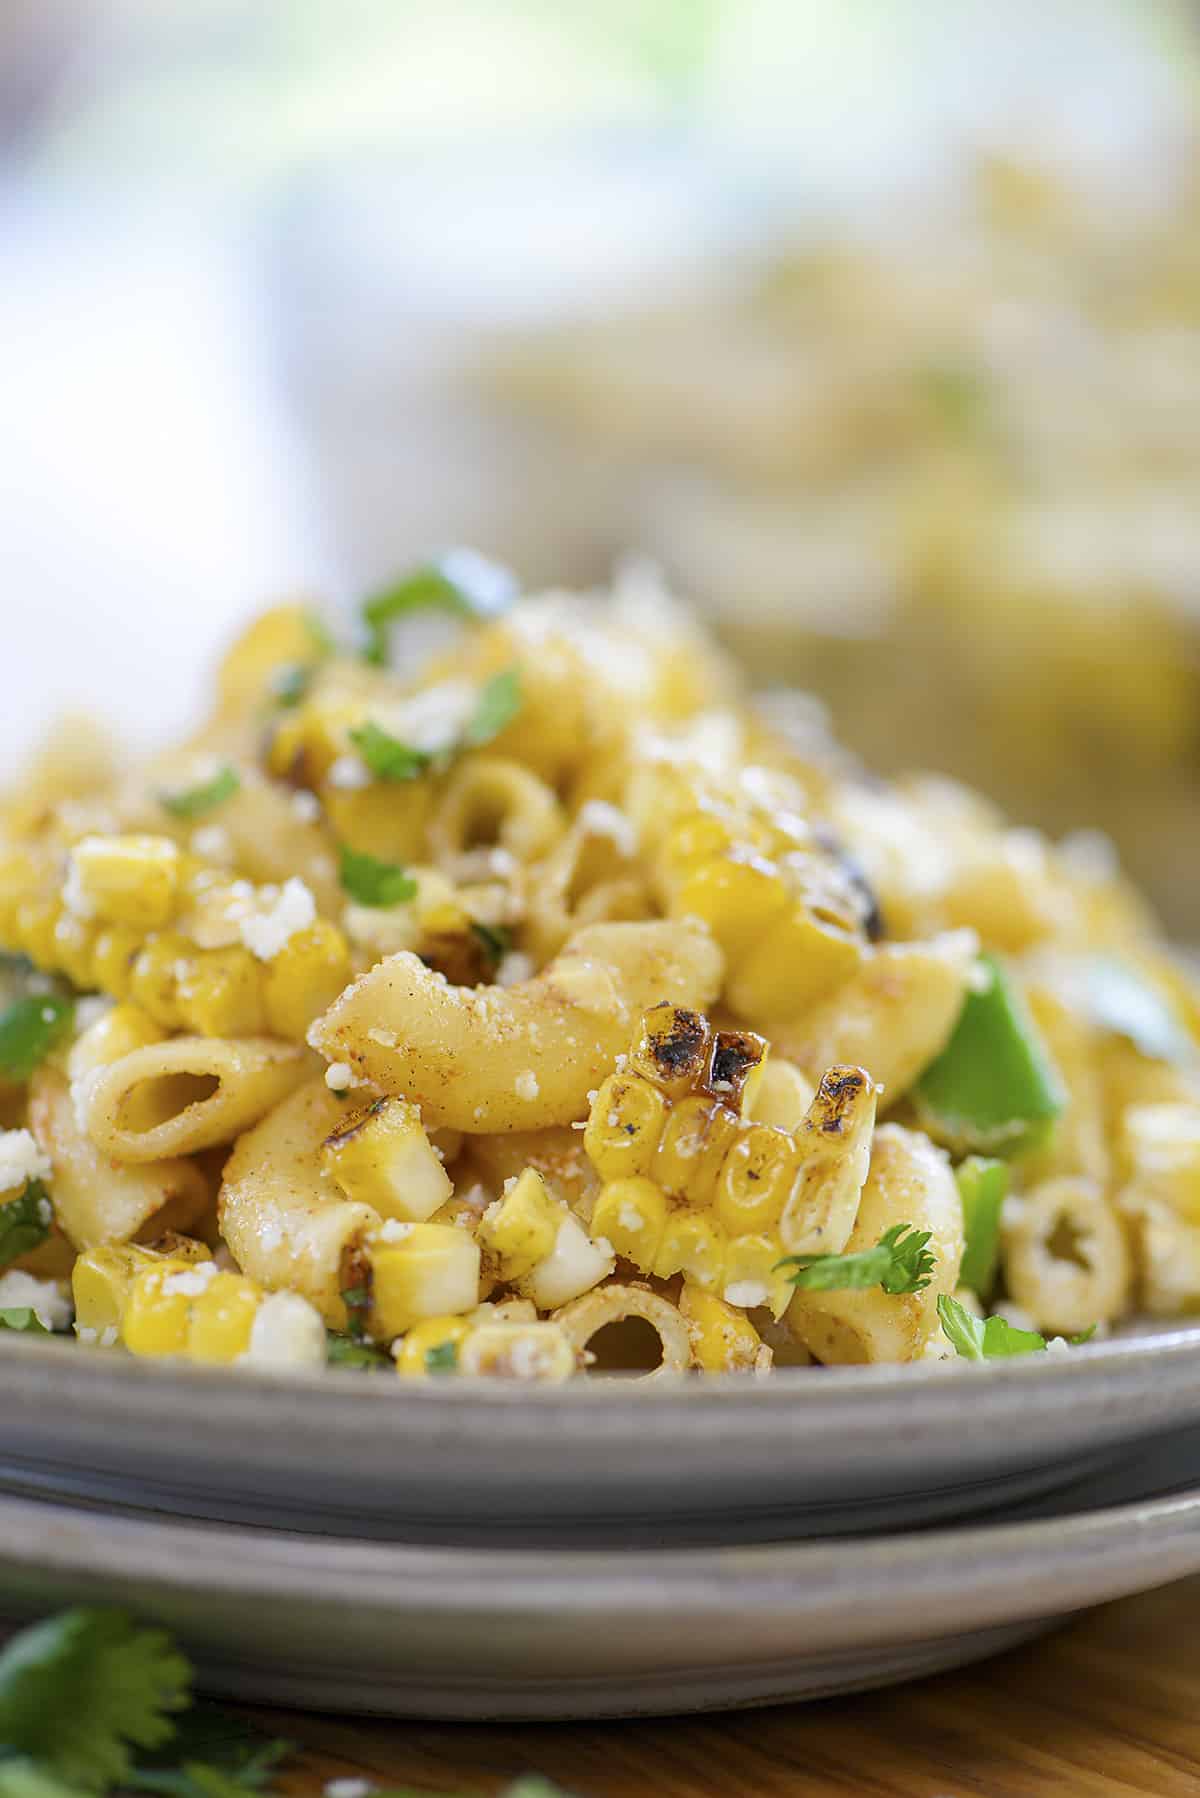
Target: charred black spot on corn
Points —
{"points": [[346, 1132], [679, 1044], [841, 1089], [734, 1054]]}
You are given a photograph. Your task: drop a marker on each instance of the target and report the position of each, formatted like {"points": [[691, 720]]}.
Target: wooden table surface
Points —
{"points": [[1108, 1707]]}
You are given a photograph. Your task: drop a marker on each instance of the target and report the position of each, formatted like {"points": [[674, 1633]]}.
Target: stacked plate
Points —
{"points": [[448, 1551]]}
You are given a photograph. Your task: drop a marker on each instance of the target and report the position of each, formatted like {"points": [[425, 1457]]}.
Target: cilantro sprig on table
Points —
{"points": [[899, 1262], [92, 1704]]}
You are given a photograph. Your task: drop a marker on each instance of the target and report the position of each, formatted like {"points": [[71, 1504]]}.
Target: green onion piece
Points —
{"points": [[193, 802], [462, 581], [993, 1088], [372, 882], [499, 703], [290, 684], [1120, 1001], [21, 1317], [956, 392], [386, 756], [352, 1351], [984, 1338], [442, 1358], [899, 1262], [29, 1029], [496, 940], [24, 1222], [983, 1188]]}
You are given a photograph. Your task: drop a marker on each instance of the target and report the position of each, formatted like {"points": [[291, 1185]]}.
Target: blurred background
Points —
{"points": [[877, 324]]}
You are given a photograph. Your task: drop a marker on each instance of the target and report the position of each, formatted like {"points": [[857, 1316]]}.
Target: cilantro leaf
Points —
{"points": [[290, 683], [462, 581], [23, 1778], [1082, 1336], [442, 1358], [496, 939], [212, 1755], [79, 1690], [372, 882], [386, 756], [498, 704], [984, 1338], [29, 1029], [194, 802], [24, 1318], [353, 1351], [898, 1262], [24, 1225]]}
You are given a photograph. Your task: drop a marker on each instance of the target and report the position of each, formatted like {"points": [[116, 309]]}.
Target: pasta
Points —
{"points": [[536, 1007]]}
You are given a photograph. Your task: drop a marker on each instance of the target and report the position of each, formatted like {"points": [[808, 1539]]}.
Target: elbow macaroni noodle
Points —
{"points": [[532, 1042]]}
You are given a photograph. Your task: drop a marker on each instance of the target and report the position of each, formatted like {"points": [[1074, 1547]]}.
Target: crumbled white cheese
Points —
{"points": [[600, 819], [21, 1159], [266, 933], [515, 968], [74, 897], [746, 1293], [339, 1076], [90, 1010], [393, 1229], [386, 1039], [348, 773], [191, 1282], [213, 843], [526, 1085], [287, 1332], [630, 1218], [44, 1298], [1016, 1315], [348, 1788], [306, 807], [1058, 1345]]}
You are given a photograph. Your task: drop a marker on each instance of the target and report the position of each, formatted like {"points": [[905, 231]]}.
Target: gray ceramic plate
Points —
{"points": [[802, 1453], [474, 1633]]}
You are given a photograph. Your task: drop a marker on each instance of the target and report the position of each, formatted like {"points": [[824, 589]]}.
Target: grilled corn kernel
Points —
{"points": [[222, 1318], [221, 994], [113, 954], [431, 1334], [156, 974], [778, 1094], [384, 1159], [739, 897], [734, 1059], [305, 978], [696, 1138], [33, 927], [624, 1126], [156, 1318], [695, 842], [750, 1276], [756, 1178], [521, 1228], [722, 1339], [798, 960], [100, 1283], [693, 1244], [574, 1265], [673, 1049], [632, 1215], [431, 1270], [74, 941], [518, 1351], [130, 880]]}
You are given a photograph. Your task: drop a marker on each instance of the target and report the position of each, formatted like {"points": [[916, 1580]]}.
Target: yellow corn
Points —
{"points": [[113, 954], [535, 1352], [431, 1333], [756, 1179], [673, 1050], [222, 992], [100, 1282], [624, 1126], [632, 1215], [801, 958], [696, 1138], [384, 1159], [154, 984], [132, 880], [428, 1271], [304, 979], [222, 1318], [739, 897], [722, 1339], [155, 1319], [777, 1093], [521, 1228], [749, 1275], [692, 1244], [281, 638]]}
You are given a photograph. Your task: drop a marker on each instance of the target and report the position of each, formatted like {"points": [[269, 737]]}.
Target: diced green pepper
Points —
{"points": [[983, 1188]]}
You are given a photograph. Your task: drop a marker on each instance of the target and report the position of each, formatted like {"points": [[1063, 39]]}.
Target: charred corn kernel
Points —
{"points": [[722, 1339], [538, 1352], [304, 979], [431, 1334], [696, 1138], [693, 1244], [756, 1178], [521, 1228], [624, 1125], [384, 1159], [220, 993], [632, 1215], [74, 940], [798, 960], [430, 1270], [130, 880], [156, 974], [739, 897], [113, 955], [222, 1319], [750, 1276], [778, 1094], [157, 1312], [306, 744], [734, 1059], [673, 1049]]}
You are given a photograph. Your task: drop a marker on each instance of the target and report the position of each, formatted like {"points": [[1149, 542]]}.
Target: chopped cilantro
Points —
{"points": [[372, 882], [498, 704], [1082, 1336], [23, 1778], [29, 1029], [290, 684], [194, 802], [984, 1338], [354, 1351], [442, 1358], [24, 1224], [462, 581], [496, 939], [386, 756], [22, 1317], [898, 1262]]}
